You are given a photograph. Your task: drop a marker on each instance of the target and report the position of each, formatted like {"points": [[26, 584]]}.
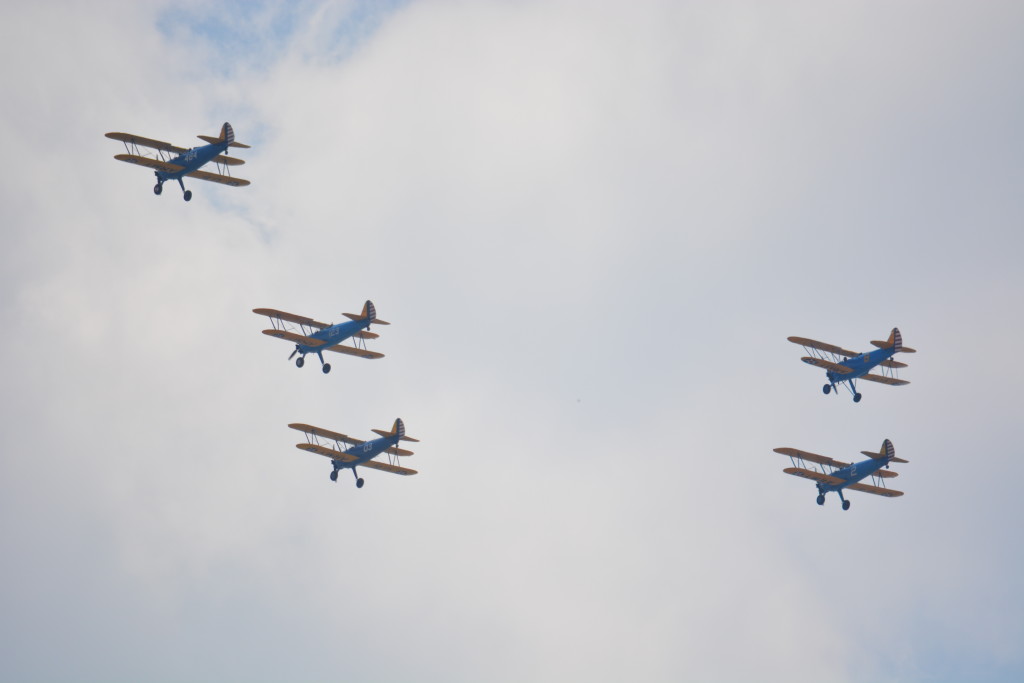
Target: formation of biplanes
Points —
{"points": [[349, 337]]}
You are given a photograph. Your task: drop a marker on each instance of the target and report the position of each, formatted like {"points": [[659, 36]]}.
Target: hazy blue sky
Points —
{"points": [[592, 227]]}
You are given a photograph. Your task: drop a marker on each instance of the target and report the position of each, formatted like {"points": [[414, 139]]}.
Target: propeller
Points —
{"points": [[293, 353]]}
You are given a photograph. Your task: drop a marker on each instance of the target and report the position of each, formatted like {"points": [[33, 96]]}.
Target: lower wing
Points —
{"points": [[816, 476], [149, 162], [292, 337], [384, 467], [217, 178], [877, 490], [834, 367], [327, 452], [353, 351], [885, 380]]}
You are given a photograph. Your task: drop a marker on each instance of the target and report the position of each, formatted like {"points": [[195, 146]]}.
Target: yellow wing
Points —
{"points": [[885, 380], [353, 351], [384, 467], [325, 433], [149, 162], [877, 490], [822, 346], [228, 161], [816, 476], [146, 142], [812, 457], [292, 337], [328, 452], [217, 178], [290, 317], [834, 367]]}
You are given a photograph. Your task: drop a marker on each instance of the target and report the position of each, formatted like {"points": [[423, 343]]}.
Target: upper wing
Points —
{"points": [[816, 476], [384, 467], [326, 433], [885, 380], [877, 490], [822, 346], [353, 351], [146, 142], [834, 367], [297, 338], [812, 457], [217, 178], [149, 162], [290, 317], [329, 452]]}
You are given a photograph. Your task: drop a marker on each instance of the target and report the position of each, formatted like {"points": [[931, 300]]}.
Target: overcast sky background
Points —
{"points": [[592, 227]]}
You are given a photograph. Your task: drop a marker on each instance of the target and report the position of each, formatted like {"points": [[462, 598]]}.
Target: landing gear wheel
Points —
{"points": [[856, 398], [188, 195], [326, 368], [300, 361], [334, 475], [821, 499], [359, 483], [827, 388], [158, 188], [846, 505]]}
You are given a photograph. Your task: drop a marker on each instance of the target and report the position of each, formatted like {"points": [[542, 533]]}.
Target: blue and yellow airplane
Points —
{"points": [[843, 475], [348, 453], [173, 163], [847, 366], [317, 337]]}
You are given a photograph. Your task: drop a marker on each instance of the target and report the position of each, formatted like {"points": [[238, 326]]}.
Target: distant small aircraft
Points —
{"points": [[348, 453], [843, 475], [317, 337], [184, 162], [847, 366]]}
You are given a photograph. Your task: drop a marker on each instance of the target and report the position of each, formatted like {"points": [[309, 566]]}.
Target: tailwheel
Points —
{"points": [[826, 389], [300, 361], [326, 368], [846, 505], [158, 188], [821, 499], [856, 398], [359, 483], [334, 475], [188, 195]]}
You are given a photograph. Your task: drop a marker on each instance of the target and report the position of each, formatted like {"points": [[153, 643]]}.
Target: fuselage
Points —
{"points": [[368, 451], [854, 473], [861, 365], [192, 160], [335, 334]]}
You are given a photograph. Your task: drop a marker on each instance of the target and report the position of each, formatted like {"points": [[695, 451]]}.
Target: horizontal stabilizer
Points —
{"points": [[363, 334], [893, 364], [395, 450], [213, 141], [356, 316], [228, 161]]}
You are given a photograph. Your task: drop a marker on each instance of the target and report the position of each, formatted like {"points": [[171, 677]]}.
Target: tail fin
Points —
{"points": [[227, 134], [887, 452], [895, 341], [397, 428], [369, 311]]}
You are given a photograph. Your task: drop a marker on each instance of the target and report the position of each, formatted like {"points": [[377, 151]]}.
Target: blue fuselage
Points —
{"points": [[192, 160], [861, 365], [367, 451], [335, 334], [854, 473]]}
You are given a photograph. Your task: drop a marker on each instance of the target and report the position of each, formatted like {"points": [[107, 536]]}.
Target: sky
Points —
{"points": [[592, 227]]}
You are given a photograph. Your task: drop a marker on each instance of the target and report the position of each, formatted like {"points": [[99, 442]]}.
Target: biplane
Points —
{"points": [[173, 163], [346, 452], [843, 475], [844, 366], [311, 336]]}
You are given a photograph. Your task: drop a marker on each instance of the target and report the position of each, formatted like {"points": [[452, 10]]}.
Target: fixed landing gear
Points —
{"points": [[856, 398], [359, 483], [326, 368], [826, 389], [334, 475], [300, 361], [846, 505], [158, 188], [821, 499], [188, 195]]}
